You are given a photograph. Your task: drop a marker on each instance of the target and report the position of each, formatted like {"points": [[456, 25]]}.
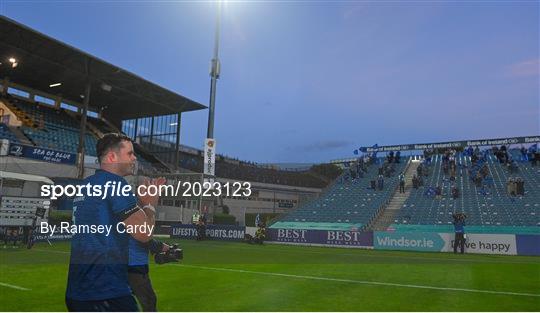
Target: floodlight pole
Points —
{"points": [[82, 134], [214, 74]]}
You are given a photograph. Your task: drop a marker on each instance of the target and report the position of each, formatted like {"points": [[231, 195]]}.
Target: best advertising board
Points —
{"points": [[321, 237]]}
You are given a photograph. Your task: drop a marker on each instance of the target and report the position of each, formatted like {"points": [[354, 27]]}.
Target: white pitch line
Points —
{"points": [[14, 287], [362, 281], [51, 251]]}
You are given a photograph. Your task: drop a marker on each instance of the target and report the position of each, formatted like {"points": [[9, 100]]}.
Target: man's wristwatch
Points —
{"points": [[150, 207]]}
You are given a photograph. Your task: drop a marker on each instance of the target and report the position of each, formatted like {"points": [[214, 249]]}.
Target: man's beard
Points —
{"points": [[128, 169]]}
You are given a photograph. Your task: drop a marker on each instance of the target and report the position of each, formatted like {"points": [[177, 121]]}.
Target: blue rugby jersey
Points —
{"points": [[98, 263]]}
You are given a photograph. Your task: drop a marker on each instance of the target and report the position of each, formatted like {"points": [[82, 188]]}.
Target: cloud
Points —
{"points": [[524, 69], [322, 145]]}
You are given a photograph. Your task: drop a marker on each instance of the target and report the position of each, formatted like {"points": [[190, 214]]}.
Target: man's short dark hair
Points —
{"points": [[110, 141]]}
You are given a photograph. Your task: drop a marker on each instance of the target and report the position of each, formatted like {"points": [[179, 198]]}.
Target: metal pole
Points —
{"points": [[177, 143], [136, 130], [274, 209], [214, 74], [152, 133], [82, 132], [200, 196]]}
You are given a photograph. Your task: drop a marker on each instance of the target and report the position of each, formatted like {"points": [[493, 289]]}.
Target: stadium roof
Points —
{"points": [[43, 61]]}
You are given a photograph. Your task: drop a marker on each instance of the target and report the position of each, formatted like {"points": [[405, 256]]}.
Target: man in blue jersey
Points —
{"points": [[459, 230], [98, 269]]}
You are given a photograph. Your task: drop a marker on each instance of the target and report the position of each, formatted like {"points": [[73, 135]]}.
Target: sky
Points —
{"points": [[311, 81]]}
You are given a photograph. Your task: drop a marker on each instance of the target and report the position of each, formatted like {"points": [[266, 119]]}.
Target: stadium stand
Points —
{"points": [[6, 133], [317, 176], [49, 127], [486, 203], [349, 203], [58, 129]]}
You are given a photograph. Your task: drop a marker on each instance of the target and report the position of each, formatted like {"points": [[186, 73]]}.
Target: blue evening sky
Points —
{"points": [[312, 81]]}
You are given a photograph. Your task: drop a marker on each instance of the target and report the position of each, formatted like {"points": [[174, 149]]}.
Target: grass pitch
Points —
{"points": [[227, 276]]}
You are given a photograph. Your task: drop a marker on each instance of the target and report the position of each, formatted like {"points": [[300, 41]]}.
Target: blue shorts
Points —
{"points": [[120, 304]]}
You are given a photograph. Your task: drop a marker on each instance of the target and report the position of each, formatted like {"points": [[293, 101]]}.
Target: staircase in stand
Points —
{"points": [[386, 217], [25, 118]]}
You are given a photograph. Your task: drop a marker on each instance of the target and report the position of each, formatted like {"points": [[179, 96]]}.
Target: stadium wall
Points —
{"points": [[505, 244]]}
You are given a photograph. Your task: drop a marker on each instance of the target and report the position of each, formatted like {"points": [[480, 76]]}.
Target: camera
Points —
{"points": [[459, 216], [174, 254]]}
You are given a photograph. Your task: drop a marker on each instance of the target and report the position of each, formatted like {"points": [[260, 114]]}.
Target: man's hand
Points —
{"points": [[144, 197]]}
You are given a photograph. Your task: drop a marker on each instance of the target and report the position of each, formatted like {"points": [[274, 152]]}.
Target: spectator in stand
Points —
{"points": [[390, 157], [452, 160], [419, 170], [453, 173], [420, 181], [484, 171], [512, 166], [534, 155], [474, 159], [427, 156], [366, 159], [401, 183], [388, 169], [445, 169], [415, 182], [438, 192], [380, 182], [478, 180], [455, 192], [523, 154], [397, 157]]}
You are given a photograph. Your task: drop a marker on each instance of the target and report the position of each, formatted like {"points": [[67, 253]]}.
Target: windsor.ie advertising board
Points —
{"points": [[443, 242]]}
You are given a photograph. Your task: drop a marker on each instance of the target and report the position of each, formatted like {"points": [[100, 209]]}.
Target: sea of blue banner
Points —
{"points": [[42, 154]]}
